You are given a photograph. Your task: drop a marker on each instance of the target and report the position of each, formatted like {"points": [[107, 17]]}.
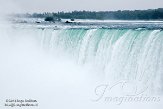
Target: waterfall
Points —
{"points": [[119, 54]]}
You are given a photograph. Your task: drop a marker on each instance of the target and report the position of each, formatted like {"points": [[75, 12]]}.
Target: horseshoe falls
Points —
{"points": [[67, 64], [120, 54]]}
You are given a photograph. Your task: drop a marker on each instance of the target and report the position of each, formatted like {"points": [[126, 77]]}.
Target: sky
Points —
{"points": [[71, 5]]}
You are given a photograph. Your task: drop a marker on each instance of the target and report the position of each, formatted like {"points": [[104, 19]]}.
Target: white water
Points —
{"points": [[62, 68], [132, 55]]}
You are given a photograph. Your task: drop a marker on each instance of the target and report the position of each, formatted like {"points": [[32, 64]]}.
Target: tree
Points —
{"points": [[49, 19]]}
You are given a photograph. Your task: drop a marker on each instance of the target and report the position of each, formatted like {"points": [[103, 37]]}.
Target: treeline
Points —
{"points": [[150, 14]]}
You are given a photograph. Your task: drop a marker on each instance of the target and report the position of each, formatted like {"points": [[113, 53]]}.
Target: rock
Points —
{"points": [[68, 22]]}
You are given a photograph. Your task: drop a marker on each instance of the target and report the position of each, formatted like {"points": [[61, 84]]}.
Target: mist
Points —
{"points": [[53, 78], [26, 71]]}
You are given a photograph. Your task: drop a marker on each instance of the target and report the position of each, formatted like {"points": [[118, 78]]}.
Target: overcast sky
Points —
{"points": [[70, 5]]}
